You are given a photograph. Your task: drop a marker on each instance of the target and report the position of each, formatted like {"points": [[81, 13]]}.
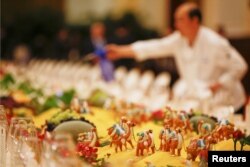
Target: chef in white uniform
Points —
{"points": [[209, 67]]}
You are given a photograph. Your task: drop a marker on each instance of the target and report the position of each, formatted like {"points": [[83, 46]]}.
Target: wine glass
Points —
{"points": [[18, 128], [31, 151], [14, 122]]}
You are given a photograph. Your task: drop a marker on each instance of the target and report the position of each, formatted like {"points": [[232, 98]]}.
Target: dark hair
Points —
{"points": [[195, 12]]}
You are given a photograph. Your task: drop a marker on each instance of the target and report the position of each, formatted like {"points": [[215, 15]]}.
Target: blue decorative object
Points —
{"points": [[106, 66]]}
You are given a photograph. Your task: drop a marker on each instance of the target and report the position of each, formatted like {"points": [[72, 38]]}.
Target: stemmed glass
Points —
{"points": [[29, 148], [13, 125], [18, 129]]}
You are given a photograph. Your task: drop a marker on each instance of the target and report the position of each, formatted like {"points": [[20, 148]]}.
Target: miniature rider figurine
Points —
{"points": [[93, 137], [124, 124], [173, 142], [75, 104], [180, 142], [223, 122], [204, 128], [165, 138], [88, 138], [203, 153], [85, 107], [151, 140]]}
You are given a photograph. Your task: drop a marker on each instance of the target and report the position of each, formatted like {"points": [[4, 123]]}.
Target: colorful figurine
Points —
{"points": [[204, 143], [84, 108], [145, 141], [89, 138], [173, 142], [204, 128], [151, 141], [187, 125], [123, 123], [192, 149], [108, 104], [223, 130], [75, 104], [180, 120], [115, 132], [165, 138], [121, 133], [80, 106], [180, 140], [141, 144], [93, 137], [203, 153], [210, 141], [129, 134]]}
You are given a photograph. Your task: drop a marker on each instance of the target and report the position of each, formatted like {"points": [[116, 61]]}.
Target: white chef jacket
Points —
{"points": [[211, 59]]}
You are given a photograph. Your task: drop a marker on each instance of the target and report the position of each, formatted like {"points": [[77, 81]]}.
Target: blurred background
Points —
{"points": [[60, 29]]}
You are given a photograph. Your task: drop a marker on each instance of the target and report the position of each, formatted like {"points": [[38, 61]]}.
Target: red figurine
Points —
{"points": [[145, 141]]}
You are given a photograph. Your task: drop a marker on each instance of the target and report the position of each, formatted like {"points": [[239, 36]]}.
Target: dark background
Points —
{"points": [[37, 23]]}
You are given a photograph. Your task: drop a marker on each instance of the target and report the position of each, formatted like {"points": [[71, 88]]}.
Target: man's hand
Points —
{"points": [[116, 52], [112, 51], [215, 87]]}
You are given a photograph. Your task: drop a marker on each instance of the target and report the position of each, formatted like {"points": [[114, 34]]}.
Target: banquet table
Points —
{"points": [[103, 119]]}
